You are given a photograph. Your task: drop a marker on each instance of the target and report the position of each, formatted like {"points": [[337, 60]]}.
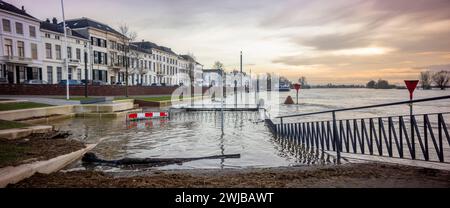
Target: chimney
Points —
{"points": [[47, 20], [23, 8], [54, 20]]}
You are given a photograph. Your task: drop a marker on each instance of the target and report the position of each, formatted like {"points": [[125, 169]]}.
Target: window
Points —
{"points": [[34, 51], [2, 71], [8, 47], [112, 55], [19, 28], [105, 58], [100, 58], [58, 74], [70, 74], [79, 74], [78, 54], [58, 52], [48, 51], [57, 37], [21, 48], [47, 35], [50, 74], [32, 31], [69, 52], [6, 25], [96, 58]]}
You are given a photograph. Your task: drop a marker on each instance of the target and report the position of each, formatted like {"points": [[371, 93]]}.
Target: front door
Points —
{"points": [[10, 77]]}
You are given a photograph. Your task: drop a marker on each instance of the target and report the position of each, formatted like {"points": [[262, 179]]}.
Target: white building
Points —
{"points": [[164, 63], [213, 77], [238, 79], [21, 45], [107, 51], [54, 53], [142, 72], [183, 71], [34, 50], [198, 74], [194, 70]]}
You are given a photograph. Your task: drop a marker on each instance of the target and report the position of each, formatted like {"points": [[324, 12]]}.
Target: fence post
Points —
{"points": [[413, 142], [281, 128], [335, 137]]}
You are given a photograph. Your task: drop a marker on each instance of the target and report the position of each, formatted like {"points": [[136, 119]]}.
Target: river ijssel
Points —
{"points": [[200, 134]]}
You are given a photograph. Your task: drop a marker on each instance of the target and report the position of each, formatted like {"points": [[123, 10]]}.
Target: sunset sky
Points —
{"points": [[346, 41]]}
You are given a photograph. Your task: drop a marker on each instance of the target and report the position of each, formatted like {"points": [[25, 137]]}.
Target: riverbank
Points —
{"points": [[37, 147], [349, 176]]}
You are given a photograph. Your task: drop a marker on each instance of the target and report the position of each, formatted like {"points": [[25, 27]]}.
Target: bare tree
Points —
{"points": [[425, 79], [127, 37], [441, 79], [218, 65], [190, 54]]}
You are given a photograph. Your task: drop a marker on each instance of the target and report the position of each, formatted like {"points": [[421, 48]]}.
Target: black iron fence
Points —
{"points": [[416, 137]]}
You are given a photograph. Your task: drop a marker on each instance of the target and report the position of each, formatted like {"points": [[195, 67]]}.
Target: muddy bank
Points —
{"points": [[349, 175], [37, 147]]}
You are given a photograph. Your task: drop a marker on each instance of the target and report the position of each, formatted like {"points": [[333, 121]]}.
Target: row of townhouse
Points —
{"points": [[218, 77], [34, 50]]}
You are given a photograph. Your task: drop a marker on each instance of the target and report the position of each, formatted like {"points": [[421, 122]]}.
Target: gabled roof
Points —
{"points": [[59, 29], [187, 58], [137, 48], [86, 22], [149, 45], [212, 70], [11, 8]]}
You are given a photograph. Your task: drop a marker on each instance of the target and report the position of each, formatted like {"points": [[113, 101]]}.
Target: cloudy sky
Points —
{"points": [[345, 41]]}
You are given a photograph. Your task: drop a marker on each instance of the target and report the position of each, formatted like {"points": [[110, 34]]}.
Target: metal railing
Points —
{"points": [[389, 136]]}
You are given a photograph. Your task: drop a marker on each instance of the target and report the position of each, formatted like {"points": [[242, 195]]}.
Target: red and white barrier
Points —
{"points": [[148, 115]]}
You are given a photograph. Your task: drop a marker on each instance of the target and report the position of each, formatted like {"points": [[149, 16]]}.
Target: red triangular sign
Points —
{"points": [[411, 85]]}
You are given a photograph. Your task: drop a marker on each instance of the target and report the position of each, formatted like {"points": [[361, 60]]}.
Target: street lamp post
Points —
{"points": [[67, 54], [126, 71], [412, 85], [85, 71]]}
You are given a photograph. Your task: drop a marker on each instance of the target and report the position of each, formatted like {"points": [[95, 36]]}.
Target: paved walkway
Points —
{"points": [[43, 100]]}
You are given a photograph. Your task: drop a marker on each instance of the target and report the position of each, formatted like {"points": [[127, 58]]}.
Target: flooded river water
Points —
{"points": [[201, 133]]}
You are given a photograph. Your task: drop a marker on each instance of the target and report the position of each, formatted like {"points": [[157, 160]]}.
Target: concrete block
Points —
{"points": [[12, 175]]}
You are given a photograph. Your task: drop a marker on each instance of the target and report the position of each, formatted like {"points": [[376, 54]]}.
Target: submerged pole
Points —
{"points": [[222, 105]]}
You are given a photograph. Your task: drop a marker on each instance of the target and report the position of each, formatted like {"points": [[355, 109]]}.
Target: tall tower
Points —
{"points": [[241, 62]]}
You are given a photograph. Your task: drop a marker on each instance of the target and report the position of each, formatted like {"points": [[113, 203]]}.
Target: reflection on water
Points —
{"points": [[197, 134], [194, 134]]}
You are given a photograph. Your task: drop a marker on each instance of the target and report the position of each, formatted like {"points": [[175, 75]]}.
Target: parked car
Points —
{"points": [[99, 83], [154, 84], [163, 84], [35, 82], [120, 83], [71, 82], [83, 82], [3, 80]]}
